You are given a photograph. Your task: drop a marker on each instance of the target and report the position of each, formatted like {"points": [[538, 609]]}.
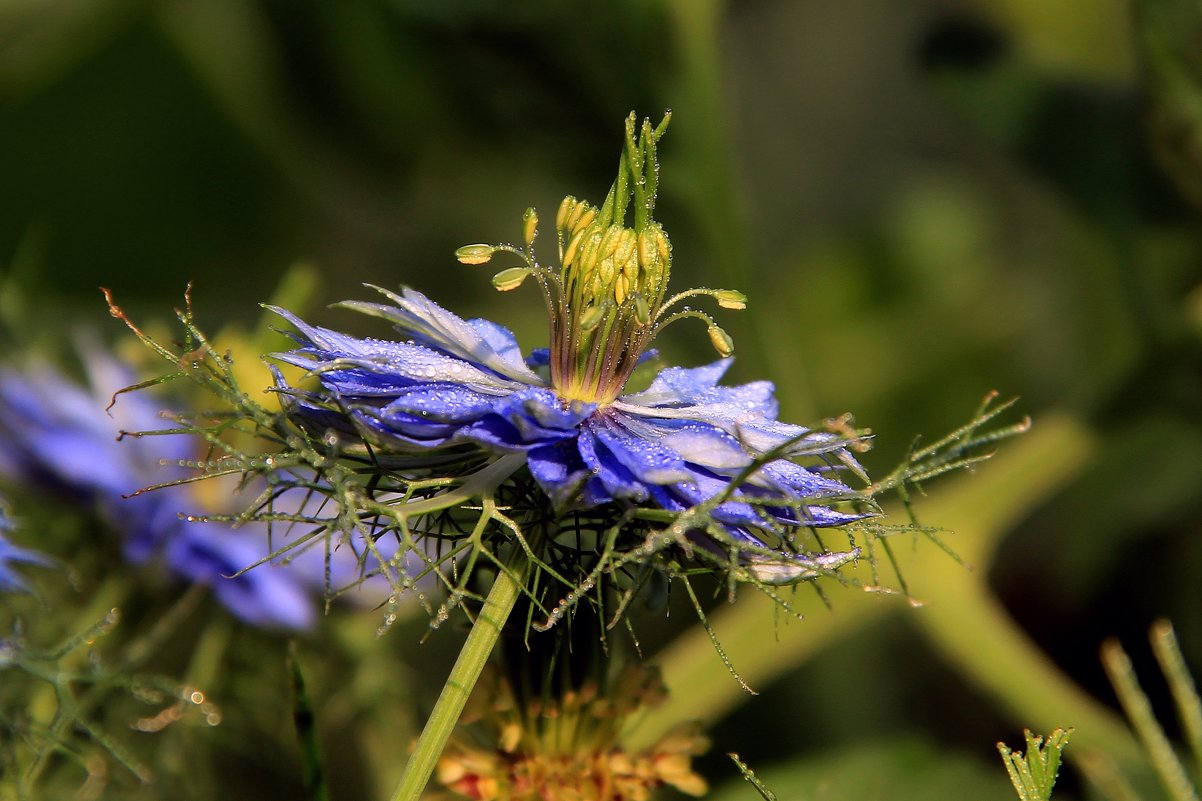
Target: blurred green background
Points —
{"points": [[924, 201]]}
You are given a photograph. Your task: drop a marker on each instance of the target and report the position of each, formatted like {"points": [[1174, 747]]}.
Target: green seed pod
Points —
{"points": [[475, 254]]}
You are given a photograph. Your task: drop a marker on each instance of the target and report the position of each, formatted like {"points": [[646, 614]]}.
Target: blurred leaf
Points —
{"points": [[1169, 33], [898, 770], [1086, 37]]}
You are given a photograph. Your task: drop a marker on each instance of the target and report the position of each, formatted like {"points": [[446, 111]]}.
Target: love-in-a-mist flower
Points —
{"points": [[682, 441], [58, 438]]}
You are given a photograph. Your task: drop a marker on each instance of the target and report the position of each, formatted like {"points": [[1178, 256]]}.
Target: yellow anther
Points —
{"points": [[647, 248], [624, 252], [570, 254], [475, 254], [605, 270], [510, 279], [587, 215], [530, 227], [661, 243], [721, 341], [621, 287], [731, 299], [565, 209]]}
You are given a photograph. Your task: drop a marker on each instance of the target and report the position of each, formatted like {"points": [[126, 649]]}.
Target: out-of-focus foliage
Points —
{"points": [[923, 201]]}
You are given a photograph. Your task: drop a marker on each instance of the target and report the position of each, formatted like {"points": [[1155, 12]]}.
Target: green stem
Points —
{"points": [[476, 650]]}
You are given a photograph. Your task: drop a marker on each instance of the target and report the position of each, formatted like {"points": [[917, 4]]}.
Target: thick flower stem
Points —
{"points": [[476, 650]]}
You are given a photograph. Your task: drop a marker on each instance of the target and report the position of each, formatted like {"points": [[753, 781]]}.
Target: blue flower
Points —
{"points": [[57, 436], [676, 444], [684, 441], [10, 579]]}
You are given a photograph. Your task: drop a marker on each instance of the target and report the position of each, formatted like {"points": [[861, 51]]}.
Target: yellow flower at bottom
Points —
{"points": [[568, 750]]}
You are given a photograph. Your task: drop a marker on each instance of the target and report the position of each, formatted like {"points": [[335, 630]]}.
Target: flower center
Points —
{"points": [[606, 301], [612, 281]]}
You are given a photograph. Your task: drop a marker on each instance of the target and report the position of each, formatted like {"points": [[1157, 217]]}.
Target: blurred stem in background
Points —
{"points": [[1170, 36], [714, 192]]}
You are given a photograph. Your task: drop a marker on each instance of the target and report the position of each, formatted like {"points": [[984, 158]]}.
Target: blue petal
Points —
{"points": [[611, 479], [539, 357], [529, 418], [648, 460], [353, 366], [478, 341], [803, 483], [560, 472], [443, 403]]}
